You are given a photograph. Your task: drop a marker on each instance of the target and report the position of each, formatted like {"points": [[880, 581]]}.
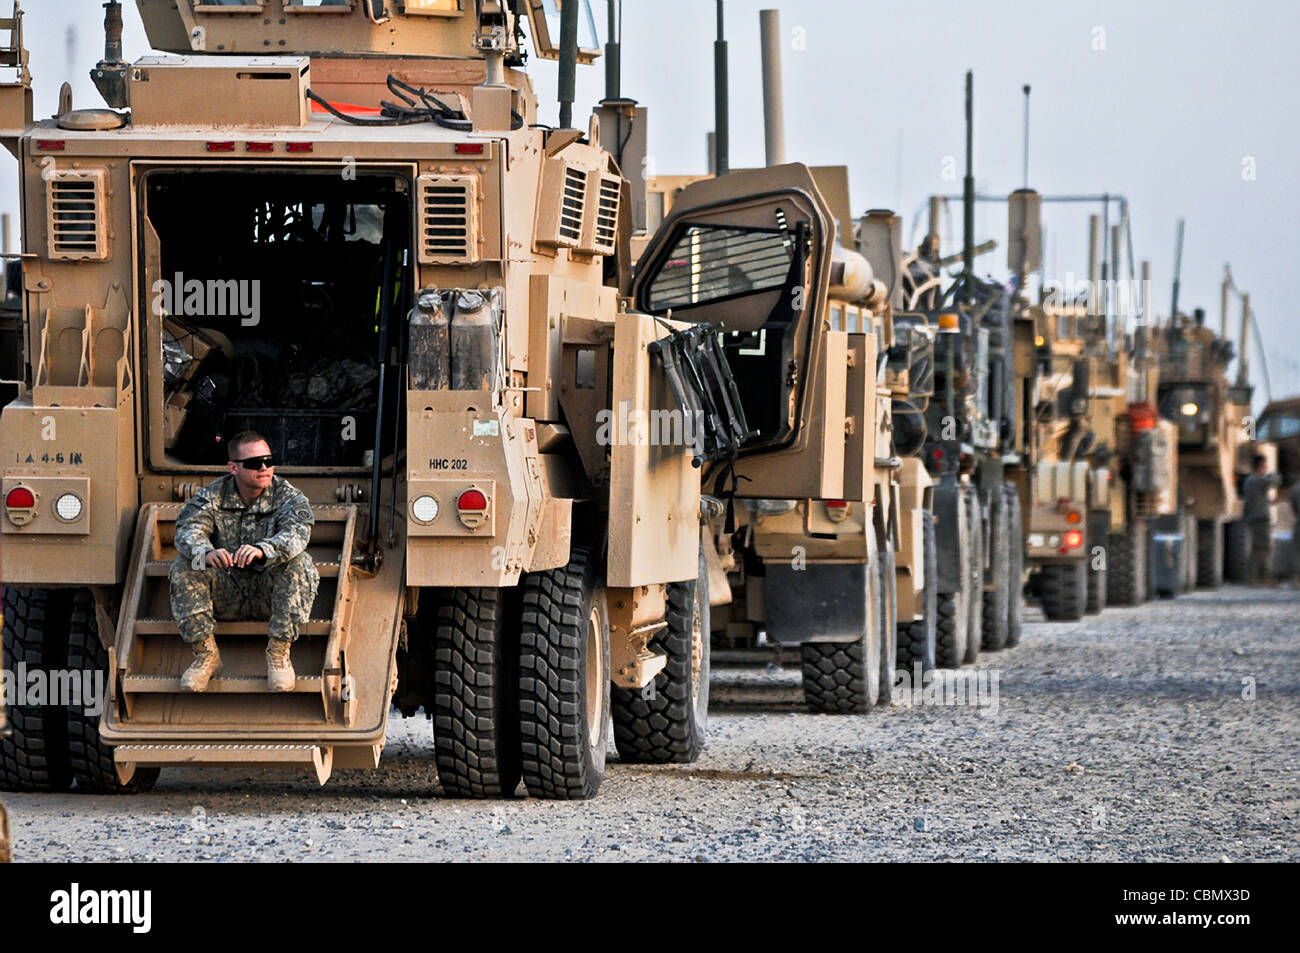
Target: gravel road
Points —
{"points": [[1167, 732]]}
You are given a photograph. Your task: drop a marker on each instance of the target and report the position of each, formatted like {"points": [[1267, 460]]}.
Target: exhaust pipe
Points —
{"points": [[568, 63], [721, 104], [109, 74], [773, 110]]}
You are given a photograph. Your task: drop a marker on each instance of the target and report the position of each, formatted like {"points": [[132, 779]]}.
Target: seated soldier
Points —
{"points": [[241, 545]]}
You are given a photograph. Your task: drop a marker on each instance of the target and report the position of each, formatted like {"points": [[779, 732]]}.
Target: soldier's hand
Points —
{"points": [[220, 558], [246, 555]]}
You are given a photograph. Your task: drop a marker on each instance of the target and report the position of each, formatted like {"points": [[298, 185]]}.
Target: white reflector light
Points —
{"points": [[68, 507], [425, 509]]}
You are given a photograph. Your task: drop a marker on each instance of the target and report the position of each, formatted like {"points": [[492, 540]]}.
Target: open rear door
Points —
{"points": [[750, 253]]}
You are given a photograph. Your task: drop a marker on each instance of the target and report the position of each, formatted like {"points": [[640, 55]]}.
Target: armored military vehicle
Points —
{"points": [[343, 225], [1210, 414], [970, 428], [808, 547], [842, 568]]}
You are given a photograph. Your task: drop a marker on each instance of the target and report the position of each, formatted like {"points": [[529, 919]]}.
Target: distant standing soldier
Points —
{"points": [[241, 543], [1259, 517]]}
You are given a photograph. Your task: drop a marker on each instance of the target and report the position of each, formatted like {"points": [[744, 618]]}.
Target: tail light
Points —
{"points": [[1073, 517], [20, 505], [471, 507], [1073, 539]]}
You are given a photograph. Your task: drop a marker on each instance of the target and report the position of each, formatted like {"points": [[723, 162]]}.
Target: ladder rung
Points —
{"points": [[160, 567], [219, 754], [168, 627], [219, 685]]}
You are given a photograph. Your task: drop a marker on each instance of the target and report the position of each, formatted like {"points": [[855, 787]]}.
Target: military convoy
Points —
{"points": [[557, 425]]}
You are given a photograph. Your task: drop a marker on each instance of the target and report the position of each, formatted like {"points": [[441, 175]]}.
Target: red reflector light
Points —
{"points": [[937, 453], [1074, 539], [471, 500], [836, 504], [260, 146], [1073, 517], [20, 498], [221, 147], [469, 148], [300, 147], [51, 145]]}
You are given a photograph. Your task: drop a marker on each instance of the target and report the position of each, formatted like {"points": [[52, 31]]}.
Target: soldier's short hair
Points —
{"points": [[243, 439], [1258, 461]]}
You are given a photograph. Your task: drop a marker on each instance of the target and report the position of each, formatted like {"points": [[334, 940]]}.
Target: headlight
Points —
{"points": [[425, 509], [1189, 409], [68, 507]]}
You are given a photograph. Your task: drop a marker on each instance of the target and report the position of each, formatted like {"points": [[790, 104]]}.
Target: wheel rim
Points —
{"points": [[595, 679]]}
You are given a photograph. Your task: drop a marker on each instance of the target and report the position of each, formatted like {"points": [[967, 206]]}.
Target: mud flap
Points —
{"points": [[822, 602], [948, 504]]}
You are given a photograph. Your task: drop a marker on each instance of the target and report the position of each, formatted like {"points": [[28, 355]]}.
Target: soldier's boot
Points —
{"points": [[279, 669], [207, 662]]}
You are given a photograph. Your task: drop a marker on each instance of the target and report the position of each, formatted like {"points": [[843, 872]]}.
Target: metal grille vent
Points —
{"points": [[606, 228], [448, 219], [572, 205], [76, 215]]}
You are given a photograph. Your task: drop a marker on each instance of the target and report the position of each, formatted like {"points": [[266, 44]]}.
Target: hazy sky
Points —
{"points": [[1187, 108]]}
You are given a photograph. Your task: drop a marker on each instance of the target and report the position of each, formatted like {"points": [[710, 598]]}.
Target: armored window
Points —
{"points": [[75, 221], [710, 263]]}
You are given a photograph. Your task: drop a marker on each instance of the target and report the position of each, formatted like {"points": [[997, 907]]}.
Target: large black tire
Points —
{"points": [[90, 759], [34, 755], [1126, 569], [1236, 551], [950, 647], [996, 601], [564, 685], [1098, 573], [1016, 534], [1209, 555], [888, 616], [1064, 591], [975, 601], [670, 726], [843, 678], [475, 718], [952, 612], [916, 639]]}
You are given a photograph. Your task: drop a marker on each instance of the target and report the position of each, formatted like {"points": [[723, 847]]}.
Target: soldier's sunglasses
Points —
{"points": [[257, 463]]}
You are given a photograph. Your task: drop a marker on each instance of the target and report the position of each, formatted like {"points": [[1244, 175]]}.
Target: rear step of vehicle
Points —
{"points": [[238, 719], [313, 757]]}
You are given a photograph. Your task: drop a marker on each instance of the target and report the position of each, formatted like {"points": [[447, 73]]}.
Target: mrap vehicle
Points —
{"points": [[342, 225], [824, 546]]}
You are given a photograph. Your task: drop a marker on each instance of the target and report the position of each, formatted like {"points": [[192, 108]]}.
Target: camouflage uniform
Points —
{"points": [[280, 589]]}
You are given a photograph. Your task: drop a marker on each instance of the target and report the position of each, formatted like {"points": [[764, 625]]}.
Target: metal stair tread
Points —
{"points": [[219, 685]]}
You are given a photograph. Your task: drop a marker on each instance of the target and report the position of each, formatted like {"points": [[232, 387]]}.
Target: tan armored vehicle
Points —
{"points": [[810, 547], [1209, 413], [342, 225]]}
